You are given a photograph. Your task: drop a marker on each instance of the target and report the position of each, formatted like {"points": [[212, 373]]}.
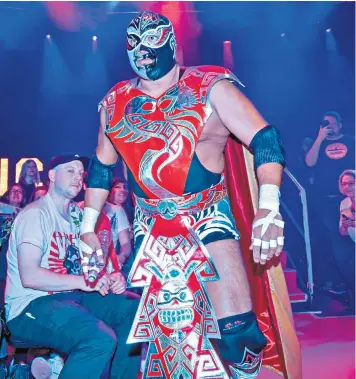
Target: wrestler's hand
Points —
{"points": [[118, 283], [267, 236], [89, 245]]}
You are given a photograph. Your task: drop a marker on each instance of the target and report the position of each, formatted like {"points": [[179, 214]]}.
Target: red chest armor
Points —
{"points": [[156, 137]]}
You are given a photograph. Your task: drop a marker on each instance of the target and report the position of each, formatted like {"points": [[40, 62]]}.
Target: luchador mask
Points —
{"points": [[175, 303], [151, 33]]}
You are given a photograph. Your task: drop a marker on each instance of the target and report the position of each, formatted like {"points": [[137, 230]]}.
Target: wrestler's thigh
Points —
{"points": [[231, 294]]}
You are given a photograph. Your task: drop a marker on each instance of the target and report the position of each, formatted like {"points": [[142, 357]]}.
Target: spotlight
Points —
{"points": [[95, 38], [48, 36], [328, 30], [227, 42], [283, 34]]}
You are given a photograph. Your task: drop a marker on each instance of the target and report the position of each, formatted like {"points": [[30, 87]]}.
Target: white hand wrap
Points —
{"points": [[269, 197], [90, 216]]}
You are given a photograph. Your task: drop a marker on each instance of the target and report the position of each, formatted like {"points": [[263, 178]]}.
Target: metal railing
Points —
{"points": [[306, 234]]}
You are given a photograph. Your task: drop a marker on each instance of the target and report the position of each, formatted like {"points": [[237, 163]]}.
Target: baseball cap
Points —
{"points": [[66, 158]]}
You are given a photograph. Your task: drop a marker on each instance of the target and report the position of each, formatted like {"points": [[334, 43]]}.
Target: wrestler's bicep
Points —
{"points": [[236, 111], [105, 150]]}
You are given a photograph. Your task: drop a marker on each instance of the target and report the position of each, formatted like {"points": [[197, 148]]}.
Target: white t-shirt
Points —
{"points": [[346, 209], [41, 225], [118, 220]]}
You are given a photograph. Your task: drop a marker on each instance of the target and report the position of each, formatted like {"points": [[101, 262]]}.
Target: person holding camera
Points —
{"points": [[332, 152]]}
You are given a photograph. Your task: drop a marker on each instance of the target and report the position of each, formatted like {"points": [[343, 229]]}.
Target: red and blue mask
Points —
{"points": [[152, 34]]}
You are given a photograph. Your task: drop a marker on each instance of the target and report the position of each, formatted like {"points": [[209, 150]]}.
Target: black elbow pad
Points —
{"points": [[267, 147], [99, 174]]}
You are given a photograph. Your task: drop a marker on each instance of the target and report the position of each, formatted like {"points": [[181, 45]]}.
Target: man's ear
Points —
{"points": [[51, 175]]}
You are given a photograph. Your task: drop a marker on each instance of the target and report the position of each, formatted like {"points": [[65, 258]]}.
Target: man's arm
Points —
{"points": [[243, 120], [95, 197], [34, 276], [311, 159], [98, 185]]}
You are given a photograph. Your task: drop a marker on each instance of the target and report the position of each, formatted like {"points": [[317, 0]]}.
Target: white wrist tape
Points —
{"points": [[90, 216], [269, 197]]}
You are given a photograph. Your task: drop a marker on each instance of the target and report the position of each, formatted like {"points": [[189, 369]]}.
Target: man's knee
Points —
{"points": [[102, 339], [241, 344]]}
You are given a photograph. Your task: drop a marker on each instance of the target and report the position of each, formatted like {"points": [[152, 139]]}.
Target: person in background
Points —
{"points": [[120, 226], [332, 152], [347, 206], [15, 199], [39, 192], [346, 254], [29, 178]]}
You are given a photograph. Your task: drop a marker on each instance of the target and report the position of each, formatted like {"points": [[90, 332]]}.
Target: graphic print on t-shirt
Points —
{"points": [[336, 150], [64, 257]]}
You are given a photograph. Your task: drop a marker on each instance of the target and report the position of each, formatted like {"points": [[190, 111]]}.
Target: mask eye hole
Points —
{"points": [[152, 38], [167, 296]]}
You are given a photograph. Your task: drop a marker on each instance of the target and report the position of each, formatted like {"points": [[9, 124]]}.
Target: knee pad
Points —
{"points": [[241, 344]]}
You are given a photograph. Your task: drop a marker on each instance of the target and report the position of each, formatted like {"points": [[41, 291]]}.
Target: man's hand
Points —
{"points": [[102, 286], [323, 133], [267, 236], [118, 283], [348, 223], [90, 244]]}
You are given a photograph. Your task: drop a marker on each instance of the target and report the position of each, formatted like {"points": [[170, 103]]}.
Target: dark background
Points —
{"points": [[49, 93]]}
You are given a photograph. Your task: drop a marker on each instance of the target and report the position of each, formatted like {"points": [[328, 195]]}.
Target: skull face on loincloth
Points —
{"points": [[175, 302]]}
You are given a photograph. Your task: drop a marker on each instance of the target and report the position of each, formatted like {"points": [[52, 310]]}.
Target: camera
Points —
{"points": [[325, 124]]}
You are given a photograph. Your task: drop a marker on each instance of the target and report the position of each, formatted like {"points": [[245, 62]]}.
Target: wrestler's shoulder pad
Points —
{"points": [[117, 87], [213, 69], [110, 96], [219, 73]]}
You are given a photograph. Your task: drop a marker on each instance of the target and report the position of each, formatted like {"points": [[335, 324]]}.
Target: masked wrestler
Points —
{"points": [[171, 125]]}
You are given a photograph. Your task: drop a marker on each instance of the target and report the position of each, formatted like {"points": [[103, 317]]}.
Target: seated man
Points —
{"points": [[47, 301]]}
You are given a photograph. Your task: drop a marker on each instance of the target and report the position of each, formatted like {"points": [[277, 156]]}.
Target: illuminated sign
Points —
{"points": [[4, 171]]}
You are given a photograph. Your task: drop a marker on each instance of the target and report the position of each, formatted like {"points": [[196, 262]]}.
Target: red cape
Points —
{"points": [[268, 287]]}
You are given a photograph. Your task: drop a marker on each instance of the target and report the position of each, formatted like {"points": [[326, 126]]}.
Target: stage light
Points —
{"points": [[95, 38], [4, 173], [283, 35], [328, 30], [48, 36], [227, 42]]}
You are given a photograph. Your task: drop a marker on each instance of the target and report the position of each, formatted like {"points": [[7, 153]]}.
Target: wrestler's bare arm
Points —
{"points": [[96, 197], [243, 120]]}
